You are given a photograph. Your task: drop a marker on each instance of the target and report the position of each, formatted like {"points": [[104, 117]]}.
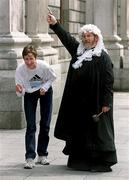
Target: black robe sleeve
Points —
{"points": [[66, 38]]}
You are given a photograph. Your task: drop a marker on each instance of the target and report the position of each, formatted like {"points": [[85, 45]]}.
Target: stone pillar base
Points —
{"points": [[11, 112], [11, 108], [121, 79], [115, 49]]}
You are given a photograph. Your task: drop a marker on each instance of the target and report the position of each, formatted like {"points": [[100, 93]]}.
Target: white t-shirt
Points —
{"points": [[33, 79]]}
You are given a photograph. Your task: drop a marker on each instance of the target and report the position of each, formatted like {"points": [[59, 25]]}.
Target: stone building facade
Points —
{"points": [[24, 21]]}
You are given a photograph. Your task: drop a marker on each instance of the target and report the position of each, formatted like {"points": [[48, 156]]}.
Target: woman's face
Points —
{"points": [[89, 39], [30, 61]]}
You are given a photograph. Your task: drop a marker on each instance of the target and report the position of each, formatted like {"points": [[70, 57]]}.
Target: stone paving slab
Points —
{"points": [[12, 152]]}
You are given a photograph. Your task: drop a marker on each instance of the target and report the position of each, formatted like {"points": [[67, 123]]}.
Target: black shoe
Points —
{"points": [[101, 168]]}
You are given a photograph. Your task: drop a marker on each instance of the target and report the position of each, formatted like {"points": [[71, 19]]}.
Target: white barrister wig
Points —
{"points": [[95, 30]]}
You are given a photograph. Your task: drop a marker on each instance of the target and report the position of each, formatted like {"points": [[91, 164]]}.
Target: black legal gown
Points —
{"points": [[87, 90]]}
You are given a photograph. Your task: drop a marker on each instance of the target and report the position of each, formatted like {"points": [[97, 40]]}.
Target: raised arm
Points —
{"points": [[65, 37]]}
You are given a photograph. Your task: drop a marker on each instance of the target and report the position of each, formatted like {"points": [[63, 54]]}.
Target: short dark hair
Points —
{"points": [[29, 49]]}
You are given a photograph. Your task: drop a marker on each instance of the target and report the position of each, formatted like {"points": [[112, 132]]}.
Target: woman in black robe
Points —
{"points": [[88, 91]]}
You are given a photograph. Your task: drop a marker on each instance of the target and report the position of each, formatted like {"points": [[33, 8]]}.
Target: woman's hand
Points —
{"points": [[19, 88], [42, 91], [51, 19]]}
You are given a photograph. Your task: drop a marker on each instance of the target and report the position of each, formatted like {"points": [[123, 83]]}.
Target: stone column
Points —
{"points": [[124, 34], [124, 29], [65, 13], [105, 17], [37, 30], [89, 12], [12, 40]]}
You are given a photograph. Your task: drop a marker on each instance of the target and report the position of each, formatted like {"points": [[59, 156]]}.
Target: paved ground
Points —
{"points": [[12, 153]]}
